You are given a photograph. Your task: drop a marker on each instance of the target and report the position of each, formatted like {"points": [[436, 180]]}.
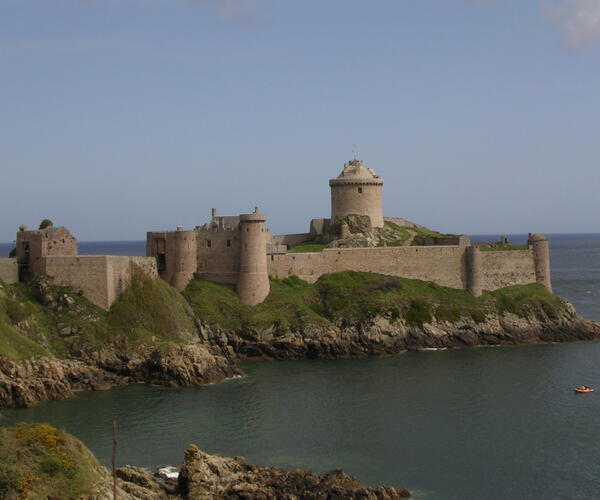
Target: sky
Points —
{"points": [[119, 117]]}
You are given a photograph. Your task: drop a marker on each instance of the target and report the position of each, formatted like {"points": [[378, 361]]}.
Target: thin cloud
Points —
{"points": [[579, 20]]}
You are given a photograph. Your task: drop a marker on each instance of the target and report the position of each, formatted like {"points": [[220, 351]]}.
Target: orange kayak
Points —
{"points": [[583, 391]]}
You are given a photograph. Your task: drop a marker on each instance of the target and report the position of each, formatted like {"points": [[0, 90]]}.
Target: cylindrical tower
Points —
{"points": [[474, 271], [541, 259], [357, 190], [253, 280], [184, 261]]}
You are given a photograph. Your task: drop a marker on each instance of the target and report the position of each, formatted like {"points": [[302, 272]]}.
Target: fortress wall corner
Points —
{"points": [[100, 278], [9, 270], [119, 273], [503, 268], [87, 274]]}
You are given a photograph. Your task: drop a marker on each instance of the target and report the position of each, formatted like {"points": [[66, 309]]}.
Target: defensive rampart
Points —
{"points": [[500, 268], [100, 278], [291, 239], [444, 265], [9, 271]]}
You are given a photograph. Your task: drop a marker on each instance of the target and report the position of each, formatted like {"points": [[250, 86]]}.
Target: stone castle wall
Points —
{"points": [[444, 265], [291, 239], [9, 271], [506, 268], [100, 278], [218, 255]]}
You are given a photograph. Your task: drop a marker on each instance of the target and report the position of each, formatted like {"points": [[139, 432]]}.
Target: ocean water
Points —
{"points": [[486, 423]]}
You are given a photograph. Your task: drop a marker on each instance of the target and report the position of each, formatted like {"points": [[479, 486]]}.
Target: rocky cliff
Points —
{"points": [[384, 334], [53, 342], [38, 461]]}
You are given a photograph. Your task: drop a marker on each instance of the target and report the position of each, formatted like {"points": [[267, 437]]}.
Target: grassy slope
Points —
{"points": [[354, 297], [149, 313], [37, 460]]}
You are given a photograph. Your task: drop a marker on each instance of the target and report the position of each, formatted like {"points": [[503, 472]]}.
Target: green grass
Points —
{"points": [[356, 297], [287, 306], [314, 245], [150, 308], [500, 248], [150, 314], [39, 461]]}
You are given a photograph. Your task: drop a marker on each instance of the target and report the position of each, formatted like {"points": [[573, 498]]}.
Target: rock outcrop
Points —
{"points": [[205, 477], [29, 381], [385, 334]]}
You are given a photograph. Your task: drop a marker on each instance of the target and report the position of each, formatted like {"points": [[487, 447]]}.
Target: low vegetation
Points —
{"points": [[314, 245], [151, 314], [37, 461], [354, 297], [499, 248], [55, 321]]}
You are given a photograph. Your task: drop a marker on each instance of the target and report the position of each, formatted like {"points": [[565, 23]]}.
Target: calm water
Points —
{"points": [[494, 423]]}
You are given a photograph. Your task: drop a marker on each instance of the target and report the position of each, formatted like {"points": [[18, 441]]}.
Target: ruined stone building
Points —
{"points": [[52, 252], [240, 250]]}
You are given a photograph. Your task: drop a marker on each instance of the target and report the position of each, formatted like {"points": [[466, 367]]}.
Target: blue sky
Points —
{"points": [[124, 116]]}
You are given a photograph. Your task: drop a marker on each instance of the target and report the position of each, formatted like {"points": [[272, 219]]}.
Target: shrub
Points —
{"points": [[418, 313], [51, 466]]}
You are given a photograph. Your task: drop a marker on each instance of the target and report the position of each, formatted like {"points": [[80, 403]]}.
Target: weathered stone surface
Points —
{"points": [[384, 335], [27, 382], [205, 477]]}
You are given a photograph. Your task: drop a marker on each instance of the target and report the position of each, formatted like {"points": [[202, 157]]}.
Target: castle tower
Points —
{"points": [[253, 281], [473, 256], [357, 190], [184, 263], [541, 259]]}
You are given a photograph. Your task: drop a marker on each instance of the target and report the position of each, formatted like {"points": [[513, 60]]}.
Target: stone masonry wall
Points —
{"points": [[291, 239], [9, 271], [219, 255], [506, 267], [119, 273], [444, 265], [100, 278]]}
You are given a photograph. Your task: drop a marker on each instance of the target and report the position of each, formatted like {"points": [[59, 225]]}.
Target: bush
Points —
{"points": [[419, 313], [15, 311], [51, 466]]}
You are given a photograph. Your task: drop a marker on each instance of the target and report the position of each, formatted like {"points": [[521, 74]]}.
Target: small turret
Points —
{"points": [[253, 281], [541, 258], [184, 261], [474, 271]]}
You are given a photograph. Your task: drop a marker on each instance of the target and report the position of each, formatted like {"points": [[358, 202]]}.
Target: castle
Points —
{"points": [[240, 250]]}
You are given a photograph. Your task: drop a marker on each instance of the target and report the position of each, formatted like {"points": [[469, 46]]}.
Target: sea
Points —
{"points": [[483, 423]]}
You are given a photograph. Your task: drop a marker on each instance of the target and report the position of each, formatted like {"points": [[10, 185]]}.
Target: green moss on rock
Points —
{"points": [[40, 461]]}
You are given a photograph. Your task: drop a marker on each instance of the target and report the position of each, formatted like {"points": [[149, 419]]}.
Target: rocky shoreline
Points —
{"points": [[212, 477], [155, 335], [40, 461], [383, 335], [26, 382]]}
